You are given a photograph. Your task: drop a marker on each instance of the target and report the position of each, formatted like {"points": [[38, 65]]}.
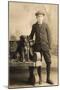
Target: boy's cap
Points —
{"points": [[40, 13]]}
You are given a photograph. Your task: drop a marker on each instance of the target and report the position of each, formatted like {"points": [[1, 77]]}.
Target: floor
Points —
{"points": [[54, 78]]}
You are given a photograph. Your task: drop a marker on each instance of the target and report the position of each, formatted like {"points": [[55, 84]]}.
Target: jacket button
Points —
{"points": [[40, 33]]}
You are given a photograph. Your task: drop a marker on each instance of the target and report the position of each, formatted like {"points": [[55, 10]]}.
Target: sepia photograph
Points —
{"points": [[33, 42]]}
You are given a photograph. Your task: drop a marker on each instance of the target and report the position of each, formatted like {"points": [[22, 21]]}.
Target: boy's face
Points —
{"points": [[40, 18]]}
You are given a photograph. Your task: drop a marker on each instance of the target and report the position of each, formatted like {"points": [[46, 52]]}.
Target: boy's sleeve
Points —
{"points": [[48, 36], [32, 33]]}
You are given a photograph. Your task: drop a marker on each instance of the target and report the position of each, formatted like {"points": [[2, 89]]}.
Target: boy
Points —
{"points": [[42, 43]]}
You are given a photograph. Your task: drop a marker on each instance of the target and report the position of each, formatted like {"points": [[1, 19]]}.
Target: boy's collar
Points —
{"points": [[38, 23]]}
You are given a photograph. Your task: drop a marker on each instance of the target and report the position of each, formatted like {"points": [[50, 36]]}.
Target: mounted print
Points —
{"points": [[33, 44]]}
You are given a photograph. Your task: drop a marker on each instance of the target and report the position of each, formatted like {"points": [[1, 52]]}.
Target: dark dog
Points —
{"points": [[25, 49]]}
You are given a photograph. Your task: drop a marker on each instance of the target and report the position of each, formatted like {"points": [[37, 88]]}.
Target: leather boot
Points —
{"points": [[31, 79], [48, 73]]}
